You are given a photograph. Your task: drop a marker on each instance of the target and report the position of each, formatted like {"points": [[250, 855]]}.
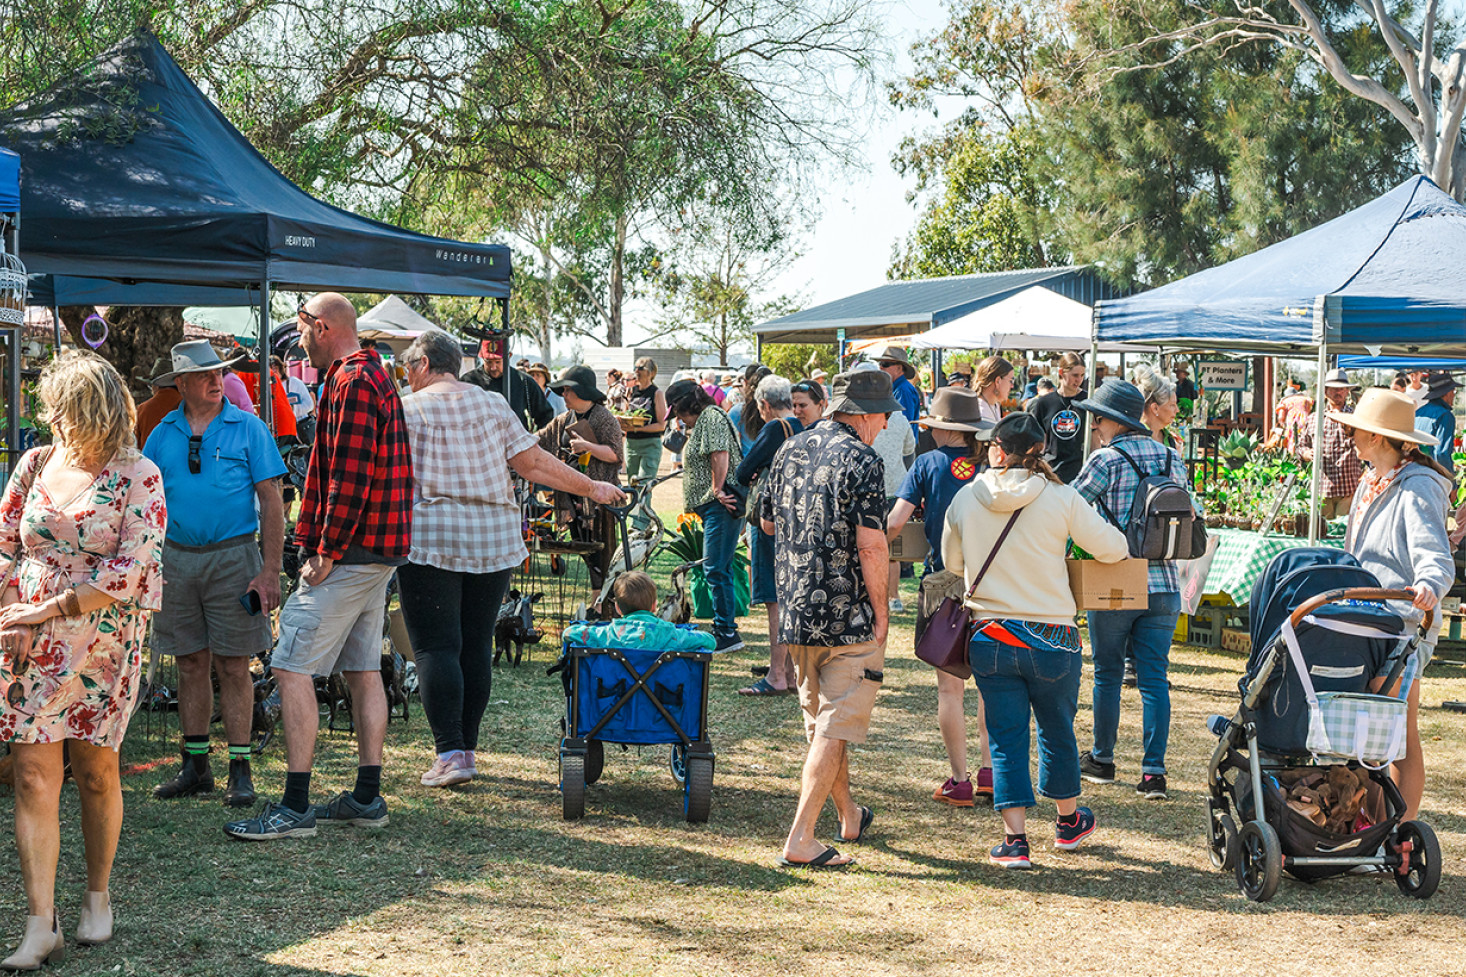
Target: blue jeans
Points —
{"points": [[1148, 633], [719, 542], [1016, 683], [762, 552]]}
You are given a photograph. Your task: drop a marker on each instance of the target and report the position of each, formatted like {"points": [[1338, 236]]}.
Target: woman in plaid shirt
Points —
{"points": [[1109, 482]]}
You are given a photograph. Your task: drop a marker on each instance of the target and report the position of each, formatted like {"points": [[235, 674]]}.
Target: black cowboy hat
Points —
{"points": [[580, 380]]}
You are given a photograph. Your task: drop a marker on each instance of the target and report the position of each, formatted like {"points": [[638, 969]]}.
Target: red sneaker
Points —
{"points": [[985, 781], [954, 793]]}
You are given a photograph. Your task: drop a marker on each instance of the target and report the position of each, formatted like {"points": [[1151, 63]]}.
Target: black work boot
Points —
{"points": [[194, 778], [241, 789]]}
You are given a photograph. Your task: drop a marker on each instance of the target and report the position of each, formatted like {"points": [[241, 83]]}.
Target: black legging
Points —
{"points": [[450, 618]]}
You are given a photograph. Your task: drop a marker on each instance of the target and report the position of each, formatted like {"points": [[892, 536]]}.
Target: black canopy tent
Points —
{"points": [[137, 191]]}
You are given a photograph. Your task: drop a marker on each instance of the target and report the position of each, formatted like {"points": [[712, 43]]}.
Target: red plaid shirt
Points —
{"points": [[1340, 468], [358, 488]]}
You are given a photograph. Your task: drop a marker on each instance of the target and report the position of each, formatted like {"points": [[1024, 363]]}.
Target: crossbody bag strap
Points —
{"points": [[994, 553]]}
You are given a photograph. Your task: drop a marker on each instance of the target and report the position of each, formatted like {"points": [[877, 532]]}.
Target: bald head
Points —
{"points": [[327, 327]]}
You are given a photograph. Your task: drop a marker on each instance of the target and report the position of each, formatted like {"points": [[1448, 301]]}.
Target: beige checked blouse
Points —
{"points": [[464, 514]]}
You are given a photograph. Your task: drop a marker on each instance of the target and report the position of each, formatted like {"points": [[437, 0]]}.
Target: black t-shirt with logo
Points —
{"points": [[1064, 426]]}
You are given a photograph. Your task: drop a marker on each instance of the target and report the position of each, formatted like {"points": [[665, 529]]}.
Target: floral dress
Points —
{"points": [[83, 674]]}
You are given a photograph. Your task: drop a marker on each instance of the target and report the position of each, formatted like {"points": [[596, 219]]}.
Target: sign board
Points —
{"points": [[1222, 374]]}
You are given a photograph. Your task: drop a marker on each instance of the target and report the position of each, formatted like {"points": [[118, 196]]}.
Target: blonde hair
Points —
{"points": [[1155, 385], [87, 405]]}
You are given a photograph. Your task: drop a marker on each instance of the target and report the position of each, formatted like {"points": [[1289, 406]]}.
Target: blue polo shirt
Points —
{"points": [[906, 394], [932, 482], [219, 502]]}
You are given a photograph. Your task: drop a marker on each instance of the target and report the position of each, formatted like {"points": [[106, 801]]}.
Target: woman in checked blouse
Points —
{"points": [[466, 539]]}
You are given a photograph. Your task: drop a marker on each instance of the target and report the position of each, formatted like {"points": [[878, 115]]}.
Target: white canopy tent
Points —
{"points": [[394, 322], [1035, 318]]}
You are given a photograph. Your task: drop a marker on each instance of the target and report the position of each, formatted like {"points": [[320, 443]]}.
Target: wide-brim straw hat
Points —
{"points": [[194, 356], [954, 409], [895, 354], [1385, 412]]}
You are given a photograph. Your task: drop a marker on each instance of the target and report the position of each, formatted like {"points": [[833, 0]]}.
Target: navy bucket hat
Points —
{"points": [[1119, 400]]}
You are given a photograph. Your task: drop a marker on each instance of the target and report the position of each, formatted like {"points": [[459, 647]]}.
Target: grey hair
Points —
{"points": [[441, 351], [1156, 386], [774, 391]]}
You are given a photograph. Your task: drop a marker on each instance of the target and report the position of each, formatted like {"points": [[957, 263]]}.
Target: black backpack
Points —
{"points": [[1163, 524]]}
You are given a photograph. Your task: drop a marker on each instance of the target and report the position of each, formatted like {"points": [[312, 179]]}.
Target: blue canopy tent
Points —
{"points": [[1384, 278], [137, 190], [9, 182], [9, 244]]}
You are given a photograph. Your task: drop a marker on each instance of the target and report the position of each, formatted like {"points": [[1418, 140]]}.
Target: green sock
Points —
{"points": [[239, 751], [196, 748]]}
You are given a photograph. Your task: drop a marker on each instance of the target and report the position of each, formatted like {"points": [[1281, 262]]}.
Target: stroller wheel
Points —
{"points": [[1223, 845], [1419, 873], [1259, 861]]}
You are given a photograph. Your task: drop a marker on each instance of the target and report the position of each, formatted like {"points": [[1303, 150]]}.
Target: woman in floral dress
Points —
{"points": [[81, 530]]}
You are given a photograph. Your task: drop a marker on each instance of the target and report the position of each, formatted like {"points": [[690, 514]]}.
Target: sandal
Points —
{"points": [[822, 860], [762, 687], [866, 817]]}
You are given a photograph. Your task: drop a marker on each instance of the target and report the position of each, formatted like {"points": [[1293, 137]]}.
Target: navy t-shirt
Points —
{"points": [[932, 482]]}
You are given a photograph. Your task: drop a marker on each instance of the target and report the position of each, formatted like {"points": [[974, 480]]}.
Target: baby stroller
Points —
{"points": [[1313, 739]]}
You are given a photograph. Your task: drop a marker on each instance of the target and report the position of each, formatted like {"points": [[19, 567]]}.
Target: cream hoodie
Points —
{"points": [[1027, 581]]}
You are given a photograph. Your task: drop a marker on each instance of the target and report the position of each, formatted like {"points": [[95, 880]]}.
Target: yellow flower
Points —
{"points": [[689, 519]]}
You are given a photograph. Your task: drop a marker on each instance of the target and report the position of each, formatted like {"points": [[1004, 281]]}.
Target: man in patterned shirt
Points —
{"points": [[824, 502], [355, 525], [1339, 463]]}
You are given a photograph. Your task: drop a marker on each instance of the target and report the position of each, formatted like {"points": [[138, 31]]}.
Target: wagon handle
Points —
{"points": [[1357, 593]]}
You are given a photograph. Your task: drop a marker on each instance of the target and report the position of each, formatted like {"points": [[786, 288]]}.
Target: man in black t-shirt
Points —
{"points": [[1063, 424]]}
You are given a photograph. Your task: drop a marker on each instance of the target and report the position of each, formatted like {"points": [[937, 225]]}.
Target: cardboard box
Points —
{"points": [[910, 546], [1239, 641], [1119, 586]]}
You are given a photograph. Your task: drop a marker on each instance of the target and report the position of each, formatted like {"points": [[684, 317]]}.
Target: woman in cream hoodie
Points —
{"points": [[1025, 652]]}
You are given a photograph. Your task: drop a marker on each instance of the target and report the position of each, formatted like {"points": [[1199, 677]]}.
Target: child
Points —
{"points": [[635, 597]]}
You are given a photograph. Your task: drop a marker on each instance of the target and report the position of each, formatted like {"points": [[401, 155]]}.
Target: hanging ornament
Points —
{"points": [[94, 330]]}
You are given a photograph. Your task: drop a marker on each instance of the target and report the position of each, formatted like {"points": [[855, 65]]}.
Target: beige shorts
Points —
{"points": [[837, 688], [337, 625]]}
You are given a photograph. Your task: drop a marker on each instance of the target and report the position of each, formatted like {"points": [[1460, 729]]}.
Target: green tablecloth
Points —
{"points": [[1241, 555]]}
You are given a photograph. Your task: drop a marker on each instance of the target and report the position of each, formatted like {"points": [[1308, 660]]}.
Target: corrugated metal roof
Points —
{"points": [[915, 306]]}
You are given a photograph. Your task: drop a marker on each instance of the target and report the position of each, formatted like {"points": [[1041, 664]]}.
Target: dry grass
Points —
{"points": [[489, 880]]}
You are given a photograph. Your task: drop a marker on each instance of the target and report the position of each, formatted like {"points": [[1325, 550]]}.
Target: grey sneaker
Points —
{"points": [[275, 821], [344, 809]]}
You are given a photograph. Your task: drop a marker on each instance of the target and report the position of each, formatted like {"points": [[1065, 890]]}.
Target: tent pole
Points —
{"points": [[1316, 474], [266, 400], [1084, 427], [56, 328]]}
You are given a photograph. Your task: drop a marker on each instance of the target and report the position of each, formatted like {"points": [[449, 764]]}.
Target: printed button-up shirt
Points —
{"points": [[823, 485], [1110, 479], [358, 488], [1338, 464]]}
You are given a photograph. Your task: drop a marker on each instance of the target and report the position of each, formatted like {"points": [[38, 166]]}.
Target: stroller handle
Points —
{"points": [[1357, 593]]}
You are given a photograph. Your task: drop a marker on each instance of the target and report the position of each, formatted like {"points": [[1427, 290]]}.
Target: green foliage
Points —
{"points": [[797, 360]]}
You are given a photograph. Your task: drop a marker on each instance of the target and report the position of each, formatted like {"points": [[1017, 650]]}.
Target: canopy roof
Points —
{"points": [[1385, 277], [176, 195], [1035, 318], [901, 308], [393, 313], [9, 181]]}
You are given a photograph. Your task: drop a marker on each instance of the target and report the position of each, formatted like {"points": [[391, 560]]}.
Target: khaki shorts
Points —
{"points": [[837, 688], [335, 626], [201, 608]]}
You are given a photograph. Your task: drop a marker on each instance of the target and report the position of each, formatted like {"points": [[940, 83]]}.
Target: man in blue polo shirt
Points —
{"points": [[220, 479], [894, 363]]}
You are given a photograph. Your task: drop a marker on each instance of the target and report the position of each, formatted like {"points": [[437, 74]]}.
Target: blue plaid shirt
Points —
{"points": [[1110, 477]]}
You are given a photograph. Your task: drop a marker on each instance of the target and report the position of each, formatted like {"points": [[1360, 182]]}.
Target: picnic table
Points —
{"points": [[1240, 557]]}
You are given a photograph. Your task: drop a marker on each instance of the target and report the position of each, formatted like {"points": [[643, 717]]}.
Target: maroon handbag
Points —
{"points": [[948, 631]]}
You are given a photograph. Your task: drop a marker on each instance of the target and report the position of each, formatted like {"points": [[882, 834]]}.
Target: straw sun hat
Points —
{"points": [[1385, 412]]}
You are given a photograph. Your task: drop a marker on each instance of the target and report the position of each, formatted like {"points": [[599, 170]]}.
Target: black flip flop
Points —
{"points": [[820, 861], [762, 687], [866, 817]]}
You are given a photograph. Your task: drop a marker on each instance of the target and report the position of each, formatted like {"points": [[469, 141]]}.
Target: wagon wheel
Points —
{"points": [[595, 760], [572, 785], [698, 792], [678, 763], [1421, 851], [1259, 861]]}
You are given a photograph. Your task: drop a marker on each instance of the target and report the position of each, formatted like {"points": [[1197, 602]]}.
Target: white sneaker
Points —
{"points": [[446, 772], [896, 606]]}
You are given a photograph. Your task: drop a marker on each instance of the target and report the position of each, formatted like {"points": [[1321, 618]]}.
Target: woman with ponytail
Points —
{"points": [[993, 382], [1397, 529], [1008, 530]]}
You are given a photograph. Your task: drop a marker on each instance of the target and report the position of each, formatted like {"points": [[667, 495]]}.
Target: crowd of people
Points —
{"points": [[172, 511]]}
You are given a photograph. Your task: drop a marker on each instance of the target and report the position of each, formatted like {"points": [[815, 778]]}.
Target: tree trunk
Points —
{"points": [[618, 281], [136, 337]]}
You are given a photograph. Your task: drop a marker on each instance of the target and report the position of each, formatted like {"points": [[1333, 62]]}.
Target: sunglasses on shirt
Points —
{"points": [[195, 443], [15, 692]]}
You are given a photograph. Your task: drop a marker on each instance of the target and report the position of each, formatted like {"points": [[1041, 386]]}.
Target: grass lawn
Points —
{"points": [[488, 879]]}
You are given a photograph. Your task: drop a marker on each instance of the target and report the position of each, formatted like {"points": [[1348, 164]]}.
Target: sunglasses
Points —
{"points": [[806, 387], [195, 465], [15, 692], [315, 321]]}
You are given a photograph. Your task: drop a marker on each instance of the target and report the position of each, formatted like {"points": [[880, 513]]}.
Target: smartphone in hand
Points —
{"points": [[251, 602]]}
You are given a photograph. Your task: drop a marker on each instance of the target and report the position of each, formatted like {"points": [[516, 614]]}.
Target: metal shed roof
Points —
{"points": [[915, 306]]}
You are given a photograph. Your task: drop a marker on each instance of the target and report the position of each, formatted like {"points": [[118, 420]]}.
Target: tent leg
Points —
{"points": [[1316, 473], [1085, 432], [56, 328], [266, 401]]}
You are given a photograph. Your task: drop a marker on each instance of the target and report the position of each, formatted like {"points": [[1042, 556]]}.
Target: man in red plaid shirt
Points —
{"points": [[1340, 469], [355, 528]]}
